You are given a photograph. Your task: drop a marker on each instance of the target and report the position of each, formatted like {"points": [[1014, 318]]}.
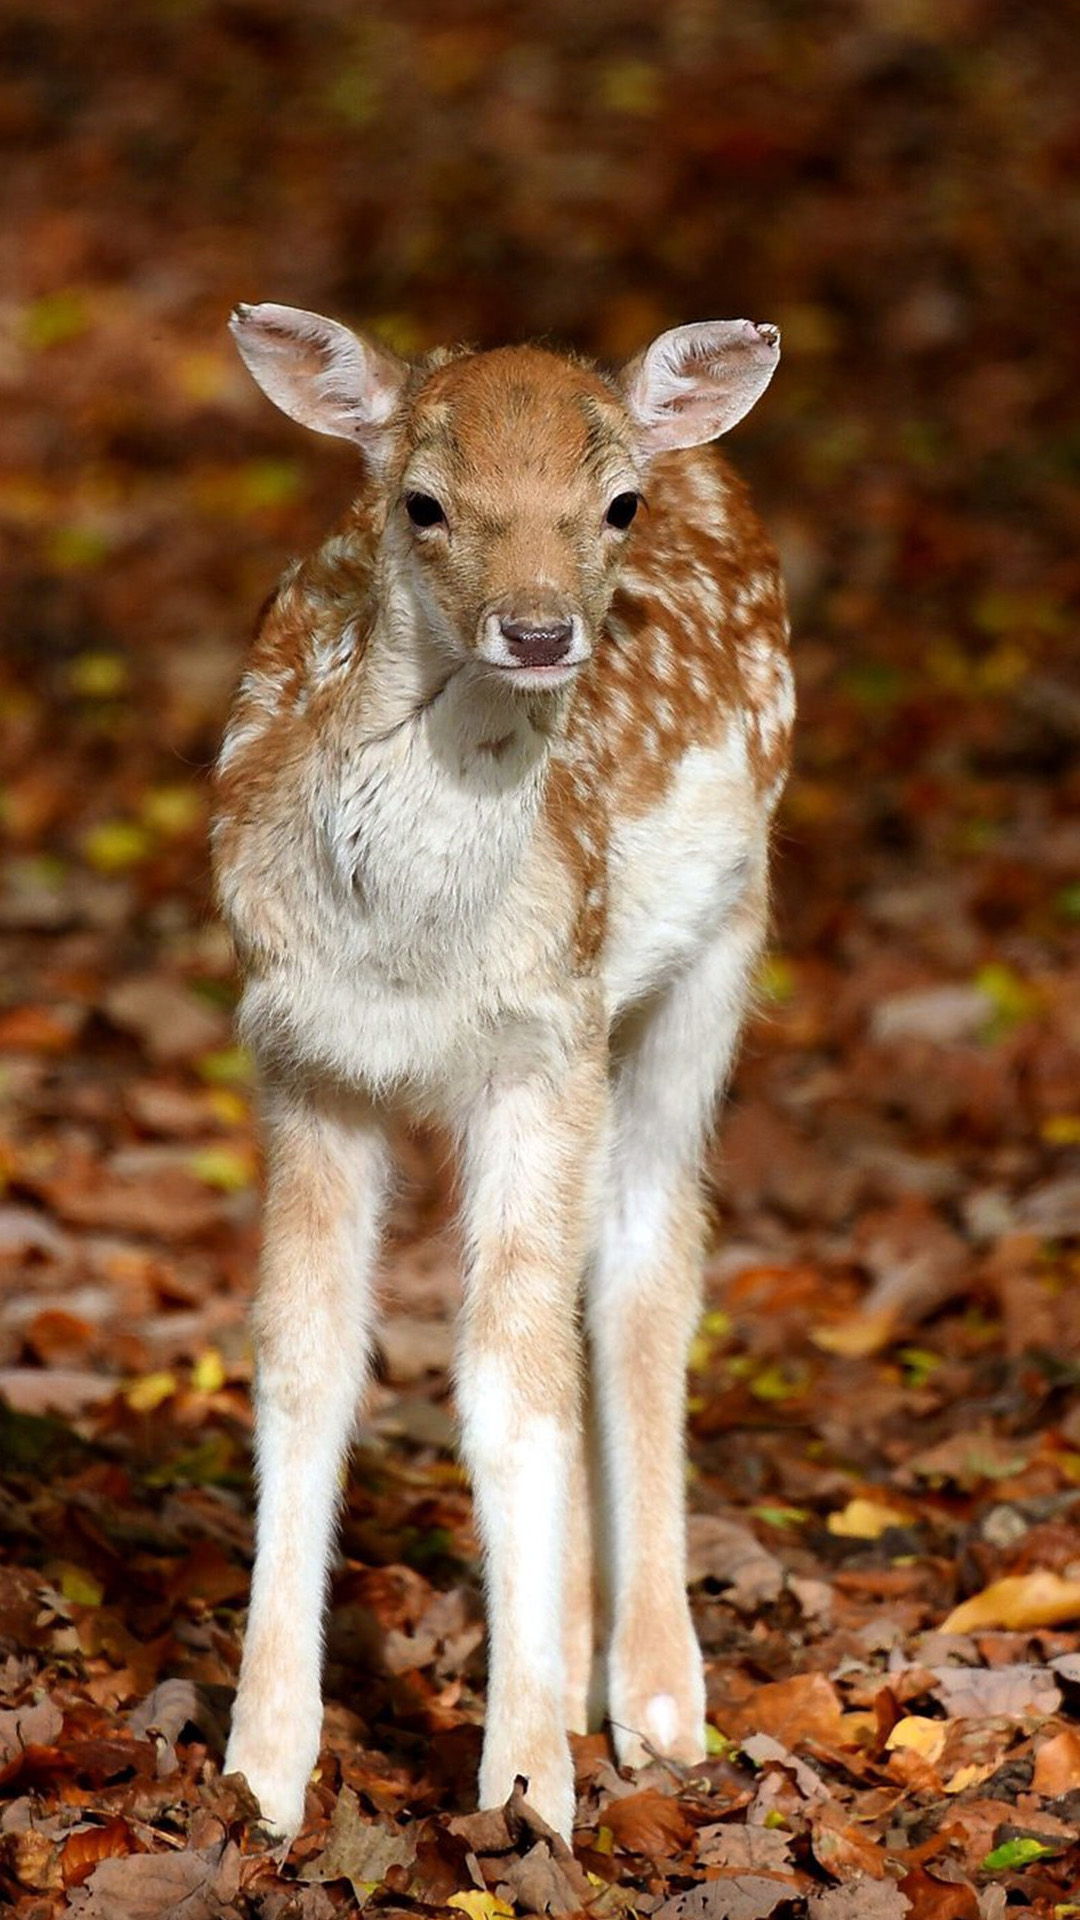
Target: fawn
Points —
{"points": [[493, 813]]}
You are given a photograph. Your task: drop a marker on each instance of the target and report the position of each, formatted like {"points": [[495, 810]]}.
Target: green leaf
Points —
{"points": [[1018, 1853], [781, 1516]]}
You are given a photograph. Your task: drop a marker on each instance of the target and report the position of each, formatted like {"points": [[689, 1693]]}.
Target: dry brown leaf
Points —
{"points": [[806, 1707], [1057, 1765], [1019, 1602], [541, 1884], [358, 1850], [187, 1885], [87, 1846], [735, 1845], [35, 1726], [932, 1899], [648, 1823], [841, 1848], [976, 1693], [726, 1550], [743, 1896], [859, 1900]]}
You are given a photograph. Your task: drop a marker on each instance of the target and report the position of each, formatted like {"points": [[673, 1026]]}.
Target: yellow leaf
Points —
{"points": [[150, 1391], [81, 1587], [864, 1519], [208, 1373], [173, 809], [1061, 1130], [225, 1065], [98, 676], [116, 844], [228, 1107], [970, 1776], [857, 1337], [54, 319], [1021, 1601], [605, 1839], [226, 1168], [919, 1735], [481, 1906]]}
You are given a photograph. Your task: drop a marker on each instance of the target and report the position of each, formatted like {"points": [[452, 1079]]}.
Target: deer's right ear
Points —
{"points": [[318, 372]]}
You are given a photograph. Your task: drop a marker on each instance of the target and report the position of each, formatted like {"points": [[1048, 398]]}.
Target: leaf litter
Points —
{"points": [[885, 1448]]}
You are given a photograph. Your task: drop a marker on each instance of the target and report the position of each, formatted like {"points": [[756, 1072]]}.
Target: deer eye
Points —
{"points": [[621, 511], [423, 510]]}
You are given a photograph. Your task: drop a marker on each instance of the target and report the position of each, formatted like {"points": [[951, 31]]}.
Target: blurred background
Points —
{"points": [[894, 182]]}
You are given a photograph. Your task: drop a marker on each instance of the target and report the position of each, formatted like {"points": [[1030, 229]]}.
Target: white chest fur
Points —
{"points": [[431, 919]]}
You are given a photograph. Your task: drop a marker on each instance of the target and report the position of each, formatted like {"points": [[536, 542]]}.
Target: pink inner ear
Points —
{"points": [[317, 371], [695, 382]]}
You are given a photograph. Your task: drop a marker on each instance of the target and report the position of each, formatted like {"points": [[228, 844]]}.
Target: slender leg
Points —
{"points": [[531, 1150], [583, 1593], [311, 1326], [643, 1305]]}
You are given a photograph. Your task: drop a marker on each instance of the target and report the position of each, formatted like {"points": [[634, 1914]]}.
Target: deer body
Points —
{"points": [[492, 838]]}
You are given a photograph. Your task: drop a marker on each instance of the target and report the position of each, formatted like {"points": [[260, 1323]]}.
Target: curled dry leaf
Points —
{"points": [[87, 1846]]}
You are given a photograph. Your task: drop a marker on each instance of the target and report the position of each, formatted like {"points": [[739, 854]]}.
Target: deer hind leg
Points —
{"points": [[312, 1333], [643, 1303], [529, 1176]]}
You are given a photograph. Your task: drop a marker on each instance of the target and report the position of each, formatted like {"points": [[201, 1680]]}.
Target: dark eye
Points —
{"points": [[423, 511], [622, 510]]}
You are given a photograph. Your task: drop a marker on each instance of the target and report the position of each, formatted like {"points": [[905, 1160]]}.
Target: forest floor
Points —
{"points": [[884, 1426]]}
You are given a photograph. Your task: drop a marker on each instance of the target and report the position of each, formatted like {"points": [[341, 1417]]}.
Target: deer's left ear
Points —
{"points": [[695, 382]]}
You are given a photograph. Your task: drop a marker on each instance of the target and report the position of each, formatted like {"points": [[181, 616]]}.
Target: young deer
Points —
{"points": [[492, 830]]}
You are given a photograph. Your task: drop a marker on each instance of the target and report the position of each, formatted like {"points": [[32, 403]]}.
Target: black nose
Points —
{"points": [[537, 646]]}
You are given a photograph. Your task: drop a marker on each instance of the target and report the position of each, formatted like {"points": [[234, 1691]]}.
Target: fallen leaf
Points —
{"points": [[540, 1883], [1020, 1601], [358, 1850], [919, 1735], [805, 1707], [649, 1823], [743, 1847], [1057, 1765], [194, 1884], [859, 1900], [749, 1896], [866, 1519], [87, 1846], [36, 1726], [977, 1693], [481, 1906]]}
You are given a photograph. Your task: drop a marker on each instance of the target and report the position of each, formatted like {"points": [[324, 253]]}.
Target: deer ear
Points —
{"points": [[318, 372], [695, 382]]}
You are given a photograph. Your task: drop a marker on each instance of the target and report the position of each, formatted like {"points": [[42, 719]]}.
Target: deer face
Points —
{"points": [[517, 491], [511, 479]]}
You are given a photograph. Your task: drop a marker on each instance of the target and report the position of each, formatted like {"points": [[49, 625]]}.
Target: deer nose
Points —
{"points": [[537, 646]]}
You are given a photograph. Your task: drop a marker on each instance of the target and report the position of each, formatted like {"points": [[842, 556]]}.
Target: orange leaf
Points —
{"points": [[648, 1823], [1057, 1765], [1039, 1599], [83, 1849]]}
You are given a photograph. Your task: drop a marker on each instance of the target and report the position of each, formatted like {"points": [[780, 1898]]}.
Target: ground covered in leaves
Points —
{"points": [[885, 1432]]}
